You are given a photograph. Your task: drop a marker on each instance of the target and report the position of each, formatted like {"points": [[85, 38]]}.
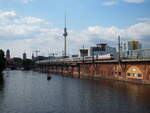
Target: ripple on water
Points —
{"points": [[31, 92]]}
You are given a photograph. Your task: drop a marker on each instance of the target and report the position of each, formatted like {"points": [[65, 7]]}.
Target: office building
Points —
{"points": [[102, 49]]}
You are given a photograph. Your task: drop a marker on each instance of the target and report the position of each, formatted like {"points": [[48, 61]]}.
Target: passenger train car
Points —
{"points": [[78, 59], [89, 58]]}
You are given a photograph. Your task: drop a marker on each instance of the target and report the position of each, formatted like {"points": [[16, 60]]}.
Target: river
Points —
{"points": [[31, 92]]}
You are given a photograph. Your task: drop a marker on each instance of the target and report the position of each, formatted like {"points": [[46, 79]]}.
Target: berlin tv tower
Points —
{"points": [[65, 34]]}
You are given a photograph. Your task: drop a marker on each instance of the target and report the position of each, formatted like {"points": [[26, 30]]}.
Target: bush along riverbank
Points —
{"points": [[2, 60]]}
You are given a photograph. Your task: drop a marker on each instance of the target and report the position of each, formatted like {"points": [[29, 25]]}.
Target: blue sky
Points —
{"points": [[81, 13], [89, 21]]}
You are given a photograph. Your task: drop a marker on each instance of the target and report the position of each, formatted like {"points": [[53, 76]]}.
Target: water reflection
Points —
{"points": [[32, 90], [1, 82], [121, 96], [1, 91]]}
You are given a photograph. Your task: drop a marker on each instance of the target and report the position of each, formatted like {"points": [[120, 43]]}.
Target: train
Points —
{"points": [[90, 58], [78, 59]]}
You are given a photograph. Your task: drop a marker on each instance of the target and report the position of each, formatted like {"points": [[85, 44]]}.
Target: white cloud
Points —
{"points": [[7, 14], [30, 33], [109, 3], [144, 19], [115, 2], [138, 31], [31, 20], [134, 1], [23, 1]]}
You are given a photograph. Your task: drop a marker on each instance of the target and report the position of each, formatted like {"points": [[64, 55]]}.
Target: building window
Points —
{"points": [[134, 70], [139, 75], [128, 74], [133, 74]]}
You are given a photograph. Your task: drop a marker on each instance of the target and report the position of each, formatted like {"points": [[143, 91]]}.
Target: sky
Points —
{"points": [[29, 25]]}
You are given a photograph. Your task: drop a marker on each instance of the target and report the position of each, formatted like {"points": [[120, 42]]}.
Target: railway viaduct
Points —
{"points": [[133, 70]]}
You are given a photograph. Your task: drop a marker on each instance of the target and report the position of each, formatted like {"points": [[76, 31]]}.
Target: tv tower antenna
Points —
{"points": [[65, 34]]}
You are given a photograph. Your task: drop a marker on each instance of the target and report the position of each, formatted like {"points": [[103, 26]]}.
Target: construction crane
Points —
{"points": [[36, 53]]}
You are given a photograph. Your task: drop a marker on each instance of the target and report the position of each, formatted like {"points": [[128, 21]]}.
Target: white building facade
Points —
{"points": [[102, 49]]}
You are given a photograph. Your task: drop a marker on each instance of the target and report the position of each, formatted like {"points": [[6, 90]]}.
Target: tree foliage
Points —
{"points": [[2, 60], [27, 64]]}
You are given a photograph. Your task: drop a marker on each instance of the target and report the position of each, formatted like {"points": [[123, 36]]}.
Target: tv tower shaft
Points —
{"points": [[65, 34]]}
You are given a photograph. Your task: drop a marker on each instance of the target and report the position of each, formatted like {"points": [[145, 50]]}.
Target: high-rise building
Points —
{"points": [[130, 45], [8, 54], [131, 49], [134, 45]]}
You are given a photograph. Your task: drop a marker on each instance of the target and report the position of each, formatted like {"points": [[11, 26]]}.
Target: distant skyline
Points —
{"points": [[29, 25]]}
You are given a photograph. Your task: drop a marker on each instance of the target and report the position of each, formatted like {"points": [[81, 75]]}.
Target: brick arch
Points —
{"points": [[117, 69], [134, 72]]}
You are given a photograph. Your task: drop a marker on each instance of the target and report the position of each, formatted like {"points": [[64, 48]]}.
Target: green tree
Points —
{"points": [[2, 60], [27, 64]]}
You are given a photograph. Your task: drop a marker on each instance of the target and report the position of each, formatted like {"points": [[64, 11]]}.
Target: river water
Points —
{"points": [[31, 92]]}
